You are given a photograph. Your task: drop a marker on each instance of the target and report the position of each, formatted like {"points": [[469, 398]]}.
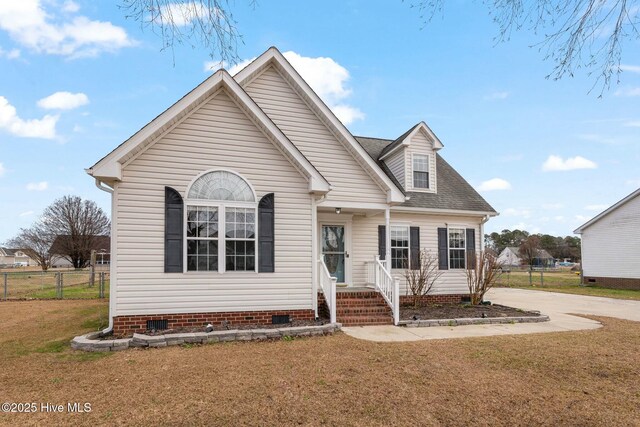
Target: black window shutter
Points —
{"points": [[266, 234], [382, 241], [443, 253], [471, 248], [414, 250], [173, 229]]}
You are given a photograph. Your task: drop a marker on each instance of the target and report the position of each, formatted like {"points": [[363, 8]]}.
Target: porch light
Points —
{"points": [[338, 210]]}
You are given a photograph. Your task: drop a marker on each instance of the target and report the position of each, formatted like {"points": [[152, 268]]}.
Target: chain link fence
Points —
{"points": [[77, 284]]}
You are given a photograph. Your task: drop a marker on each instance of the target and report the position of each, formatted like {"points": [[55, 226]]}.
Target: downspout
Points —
{"points": [[482, 222], [314, 251], [105, 188]]}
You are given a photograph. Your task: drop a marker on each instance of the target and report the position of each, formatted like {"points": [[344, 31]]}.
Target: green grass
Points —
{"points": [[562, 281], [69, 292]]}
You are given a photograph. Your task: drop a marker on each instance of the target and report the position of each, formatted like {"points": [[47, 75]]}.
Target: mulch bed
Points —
{"points": [[461, 311]]}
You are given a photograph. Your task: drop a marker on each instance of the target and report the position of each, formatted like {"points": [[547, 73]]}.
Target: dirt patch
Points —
{"points": [[461, 311]]}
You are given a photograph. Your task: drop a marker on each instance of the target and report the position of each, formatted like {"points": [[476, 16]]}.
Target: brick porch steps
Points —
{"points": [[362, 307]]}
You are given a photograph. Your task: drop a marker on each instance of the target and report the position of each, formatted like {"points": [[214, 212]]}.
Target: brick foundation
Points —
{"points": [[435, 299], [612, 282], [123, 325]]}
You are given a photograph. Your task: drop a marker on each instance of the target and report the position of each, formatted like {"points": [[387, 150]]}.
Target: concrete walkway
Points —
{"points": [[555, 305]]}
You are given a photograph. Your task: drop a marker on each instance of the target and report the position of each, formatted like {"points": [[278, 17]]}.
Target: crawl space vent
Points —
{"points": [[158, 325], [280, 319]]}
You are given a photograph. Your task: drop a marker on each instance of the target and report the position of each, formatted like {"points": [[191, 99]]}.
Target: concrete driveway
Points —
{"points": [[556, 305]]}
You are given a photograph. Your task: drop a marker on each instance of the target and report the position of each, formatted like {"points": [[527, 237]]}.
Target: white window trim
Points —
{"points": [[428, 171], [408, 227], [449, 248], [222, 220]]}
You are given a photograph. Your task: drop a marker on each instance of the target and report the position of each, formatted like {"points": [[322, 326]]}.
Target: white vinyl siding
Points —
{"points": [[611, 245], [348, 179], [216, 135], [365, 246], [396, 164], [421, 145]]}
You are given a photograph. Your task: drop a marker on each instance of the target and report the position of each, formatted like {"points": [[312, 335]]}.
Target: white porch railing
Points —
{"points": [[388, 287], [328, 288]]}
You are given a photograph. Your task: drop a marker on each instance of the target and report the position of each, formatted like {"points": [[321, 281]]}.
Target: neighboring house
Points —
{"points": [[611, 245], [510, 257], [240, 200], [59, 259], [15, 257]]}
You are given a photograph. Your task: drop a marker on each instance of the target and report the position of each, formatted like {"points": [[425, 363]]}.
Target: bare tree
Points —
{"points": [[208, 23], [36, 242], [529, 252], [577, 34], [483, 270], [421, 279], [77, 225]]}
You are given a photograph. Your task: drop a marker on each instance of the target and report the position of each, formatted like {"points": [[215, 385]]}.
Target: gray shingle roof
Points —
{"points": [[454, 192]]}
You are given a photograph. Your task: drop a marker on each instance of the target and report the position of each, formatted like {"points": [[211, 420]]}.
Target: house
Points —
{"points": [[248, 200], [15, 258], [63, 245], [610, 245], [510, 257]]}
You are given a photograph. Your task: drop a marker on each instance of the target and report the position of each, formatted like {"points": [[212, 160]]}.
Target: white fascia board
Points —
{"points": [[107, 164], [443, 211], [606, 212], [404, 144], [273, 54]]}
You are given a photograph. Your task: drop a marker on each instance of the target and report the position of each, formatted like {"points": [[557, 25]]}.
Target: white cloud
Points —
{"points": [[558, 218], [524, 213], [11, 54], [38, 186], [630, 68], [70, 6], [27, 213], [633, 182], [582, 219], [63, 101], [494, 184], [552, 206], [181, 14], [347, 114], [34, 128], [628, 91], [596, 207], [30, 25], [532, 229], [497, 95], [2, 169], [325, 76], [556, 163]]}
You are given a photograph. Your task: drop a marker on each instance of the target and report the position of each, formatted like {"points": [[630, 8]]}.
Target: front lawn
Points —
{"points": [[561, 281], [570, 378]]}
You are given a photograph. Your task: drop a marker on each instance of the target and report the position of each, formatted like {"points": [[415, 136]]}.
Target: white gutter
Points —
{"points": [[109, 190]]}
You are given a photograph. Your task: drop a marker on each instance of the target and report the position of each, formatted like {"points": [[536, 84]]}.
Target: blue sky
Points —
{"points": [[547, 154]]}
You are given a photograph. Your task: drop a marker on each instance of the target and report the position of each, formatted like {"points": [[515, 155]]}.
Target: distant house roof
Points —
{"points": [[8, 252], [542, 254], [606, 212], [100, 243], [454, 192]]}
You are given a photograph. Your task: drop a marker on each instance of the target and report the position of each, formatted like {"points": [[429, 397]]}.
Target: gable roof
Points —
{"points": [[109, 168], [406, 137], [606, 212], [454, 192], [275, 58]]}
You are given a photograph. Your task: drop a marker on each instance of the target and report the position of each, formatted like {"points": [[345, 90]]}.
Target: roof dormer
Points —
{"points": [[412, 159]]}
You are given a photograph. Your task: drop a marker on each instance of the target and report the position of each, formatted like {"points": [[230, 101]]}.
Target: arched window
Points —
{"points": [[221, 223]]}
